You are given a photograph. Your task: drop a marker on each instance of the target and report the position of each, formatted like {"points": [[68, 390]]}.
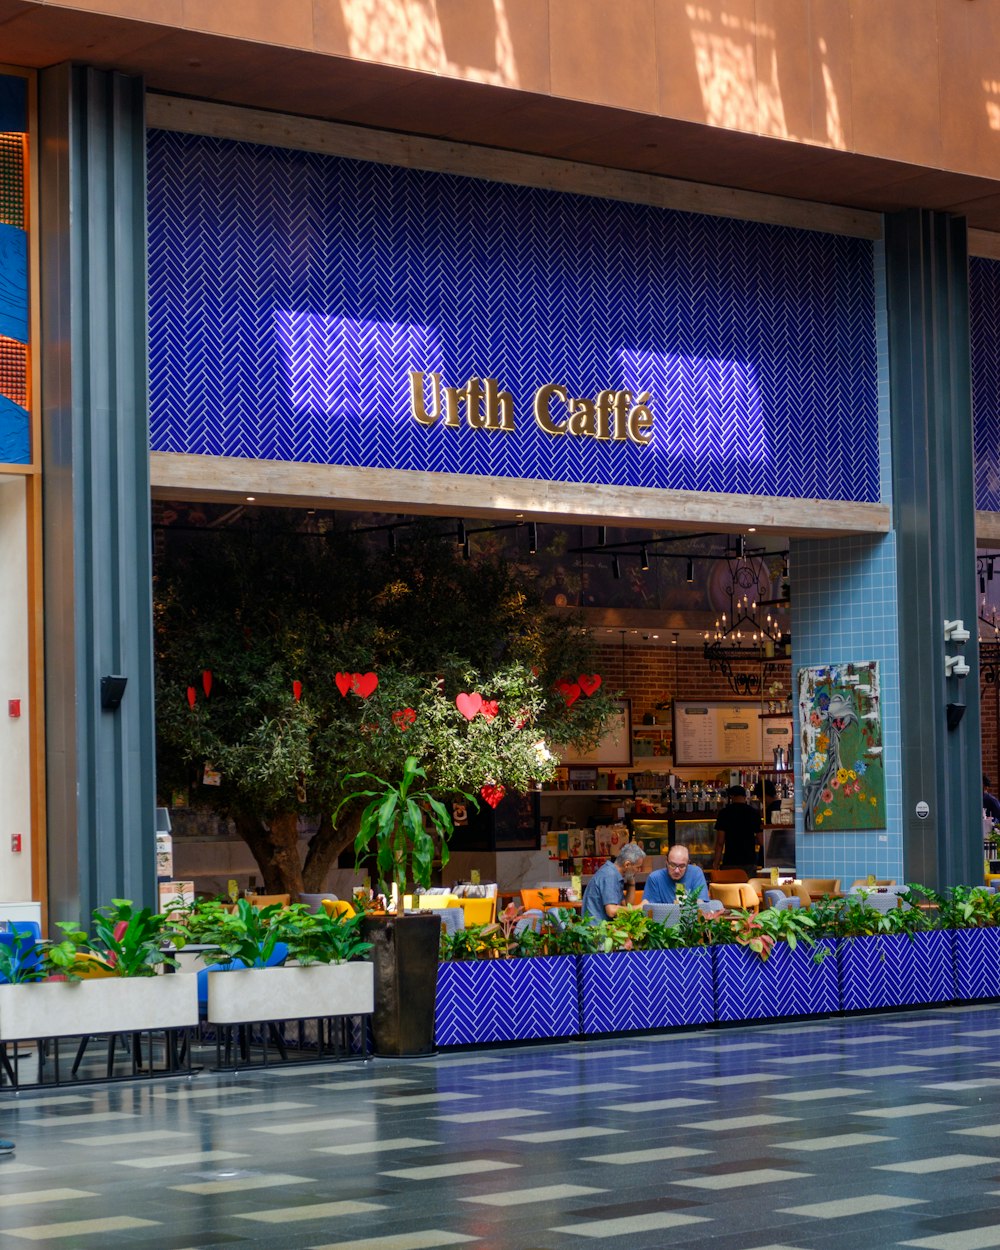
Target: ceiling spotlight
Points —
{"points": [[602, 535], [690, 575], [644, 558], [251, 498], [673, 641], [532, 538], [751, 529], [616, 568]]}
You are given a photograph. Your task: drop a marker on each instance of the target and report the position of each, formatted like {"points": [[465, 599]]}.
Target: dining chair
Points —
{"points": [[663, 913], [539, 899], [781, 901], [818, 886], [734, 894], [479, 910], [726, 876], [335, 907]]}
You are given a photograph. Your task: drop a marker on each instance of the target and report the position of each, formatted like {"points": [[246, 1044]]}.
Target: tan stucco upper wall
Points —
{"points": [[916, 81]]}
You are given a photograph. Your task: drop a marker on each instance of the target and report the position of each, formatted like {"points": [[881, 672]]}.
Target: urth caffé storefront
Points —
{"points": [[350, 320]]}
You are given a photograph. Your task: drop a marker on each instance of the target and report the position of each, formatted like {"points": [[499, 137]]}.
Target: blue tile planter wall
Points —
{"points": [[506, 1000], [788, 983], [895, 970], [630, 990], [977, 963]]}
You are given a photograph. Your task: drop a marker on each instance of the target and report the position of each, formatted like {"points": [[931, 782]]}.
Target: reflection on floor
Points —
{"points": [[856, 1132]]}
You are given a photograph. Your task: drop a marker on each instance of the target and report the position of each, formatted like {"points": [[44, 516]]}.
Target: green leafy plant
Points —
{"points": [[967, 907], [21, 960], [741, 928], [788, 924], [244, 936], [394, 823], [134, 943], [316, 938], [60, 958]]}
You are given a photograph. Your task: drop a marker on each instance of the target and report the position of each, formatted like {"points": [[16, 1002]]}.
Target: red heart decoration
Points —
{"points": [[589, 683], [469, 705], [344, 683], [364, 684], [490, 708], [492, 794], [192, 696], [569, 690], [297, 690], [404, 718], [206, 681]]}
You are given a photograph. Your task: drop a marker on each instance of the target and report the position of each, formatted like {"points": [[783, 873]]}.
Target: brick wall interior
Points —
{"points": [[652, 675], [990, 708]]}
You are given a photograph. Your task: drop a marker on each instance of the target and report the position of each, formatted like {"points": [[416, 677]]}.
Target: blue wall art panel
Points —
{"points": [[984, 301], [292, 294]]}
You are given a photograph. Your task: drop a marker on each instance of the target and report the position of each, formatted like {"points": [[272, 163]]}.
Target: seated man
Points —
{"points": [[679, 877], [613, 885]]}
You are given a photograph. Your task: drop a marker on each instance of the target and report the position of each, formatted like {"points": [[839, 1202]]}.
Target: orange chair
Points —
{"points": [[335, 907], [538, 900], [265, 900], [733, 894]]}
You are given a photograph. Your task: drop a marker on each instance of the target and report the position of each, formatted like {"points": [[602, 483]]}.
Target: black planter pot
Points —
{"points": [[405, 956]]}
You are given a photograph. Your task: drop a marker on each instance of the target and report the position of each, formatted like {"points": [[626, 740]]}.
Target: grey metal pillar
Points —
{"points": [[100, 784], [934, 518]]}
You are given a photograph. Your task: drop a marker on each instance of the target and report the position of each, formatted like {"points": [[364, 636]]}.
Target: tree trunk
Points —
{"points": [[327, 844], [276, 850]]}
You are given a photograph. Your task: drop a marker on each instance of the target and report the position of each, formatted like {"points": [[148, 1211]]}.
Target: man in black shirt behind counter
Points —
{"points": [[737, 834]]}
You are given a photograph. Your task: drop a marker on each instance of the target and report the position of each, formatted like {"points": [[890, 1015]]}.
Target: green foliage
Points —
{"points": [[316, 938], [967, 907], [131, 942], [394, 823], [59, 959], [741, 928], [788, 924], [244, 936], [21, 960], [263, 607]]}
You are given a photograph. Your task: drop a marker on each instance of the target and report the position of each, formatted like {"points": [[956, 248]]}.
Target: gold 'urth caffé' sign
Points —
{"points": [[611, 416]]}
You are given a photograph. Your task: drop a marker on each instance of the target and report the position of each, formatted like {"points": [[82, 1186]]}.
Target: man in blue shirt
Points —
{"points": [[613, 885], [662, 885]]}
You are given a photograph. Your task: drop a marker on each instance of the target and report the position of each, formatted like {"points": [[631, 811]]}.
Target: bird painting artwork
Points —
{"points": [[840, 730]]}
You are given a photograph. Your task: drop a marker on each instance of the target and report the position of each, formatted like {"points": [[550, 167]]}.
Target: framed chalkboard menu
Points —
{"points": [[716, 732]]}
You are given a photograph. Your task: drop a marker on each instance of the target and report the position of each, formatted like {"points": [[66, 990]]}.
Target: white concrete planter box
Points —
{"points": [[290, 993], [104, 1005]]}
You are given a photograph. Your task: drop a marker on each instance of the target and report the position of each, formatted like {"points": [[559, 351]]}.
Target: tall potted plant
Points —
{"points": [[403, 822]]}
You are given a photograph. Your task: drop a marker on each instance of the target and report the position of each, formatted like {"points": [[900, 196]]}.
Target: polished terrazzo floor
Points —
{"points": [[849, 1132]]}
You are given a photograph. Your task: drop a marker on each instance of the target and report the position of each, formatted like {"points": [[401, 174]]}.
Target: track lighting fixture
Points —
{"points": [[690, 569], [460, 534], [644, 558], [466, 548], [616, 568], [532, 538], [602, 535]]}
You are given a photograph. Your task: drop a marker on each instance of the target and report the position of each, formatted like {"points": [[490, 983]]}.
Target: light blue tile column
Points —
{"points": [[843, 609]]}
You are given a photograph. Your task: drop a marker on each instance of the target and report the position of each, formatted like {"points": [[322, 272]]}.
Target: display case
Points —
{"points": [[698, 835]]}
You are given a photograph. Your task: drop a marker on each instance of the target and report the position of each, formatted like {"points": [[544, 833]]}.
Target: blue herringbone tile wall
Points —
{"points": [[291, 293], [984, 308]]}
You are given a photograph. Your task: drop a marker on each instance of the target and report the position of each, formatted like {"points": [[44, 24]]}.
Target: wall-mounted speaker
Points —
{"points": [[112, 690]]}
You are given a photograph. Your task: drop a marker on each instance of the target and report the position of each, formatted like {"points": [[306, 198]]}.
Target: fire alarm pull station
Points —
{"points": [[15, 843], [14, 707]]}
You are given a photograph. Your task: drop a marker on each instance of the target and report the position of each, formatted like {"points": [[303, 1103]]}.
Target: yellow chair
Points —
{"points": [[538, 900], [335, 907], [479, 910], [733, 894], [435, 902], [89, 968]]}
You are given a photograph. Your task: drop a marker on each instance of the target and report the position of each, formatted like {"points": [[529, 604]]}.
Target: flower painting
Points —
{"points": [[840, 732]]}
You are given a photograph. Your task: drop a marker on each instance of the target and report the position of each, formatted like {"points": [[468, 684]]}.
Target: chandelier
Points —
{"points": [[745, 641]]}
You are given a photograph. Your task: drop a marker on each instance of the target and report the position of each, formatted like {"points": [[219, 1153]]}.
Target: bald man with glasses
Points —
{"points": [[680, 874]]}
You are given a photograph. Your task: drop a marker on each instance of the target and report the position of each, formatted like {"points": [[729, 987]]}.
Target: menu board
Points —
{"points": [[714, 732]]}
